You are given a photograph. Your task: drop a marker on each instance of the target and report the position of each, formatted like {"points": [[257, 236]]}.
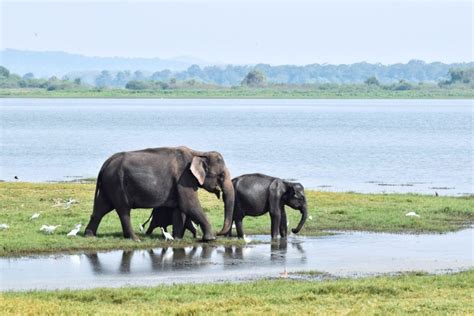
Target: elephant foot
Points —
{"points": [[207, 238], [134, 238], [89, 233]]}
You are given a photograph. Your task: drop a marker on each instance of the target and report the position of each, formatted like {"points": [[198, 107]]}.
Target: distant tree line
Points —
{"points": [[28, 80], [244, 76], [414, 71]]}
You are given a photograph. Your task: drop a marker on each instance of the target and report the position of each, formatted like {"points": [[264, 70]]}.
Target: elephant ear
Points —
{"points": [[199, 168], [290, 190]]}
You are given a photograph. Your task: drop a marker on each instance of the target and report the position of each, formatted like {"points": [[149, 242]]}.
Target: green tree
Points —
{"points": [[137, 85], [28, 76], [4, 72], [254, 78], [104, 79], [372, 81]]}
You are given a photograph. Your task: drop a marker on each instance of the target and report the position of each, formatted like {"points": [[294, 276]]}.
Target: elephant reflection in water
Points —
{"points": [[124, 266], [173, 259], [278, 249], [233, 252], [165, 259]]}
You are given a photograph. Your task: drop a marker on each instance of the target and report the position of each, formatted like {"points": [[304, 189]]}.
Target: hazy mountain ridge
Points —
{"points": [[60, 63]]}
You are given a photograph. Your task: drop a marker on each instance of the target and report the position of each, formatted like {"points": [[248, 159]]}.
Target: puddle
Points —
{"points": [[350, 254]]}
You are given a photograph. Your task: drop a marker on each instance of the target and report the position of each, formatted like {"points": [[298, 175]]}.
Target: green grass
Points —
{"points": [[330, 211], [406, 294], [338, 92]]}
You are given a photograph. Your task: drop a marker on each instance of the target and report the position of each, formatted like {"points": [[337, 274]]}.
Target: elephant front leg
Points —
{"points": [[275, 219], [238, 226], [188, 224], [189, 205], [197, 215], [178, 224], [283, 225]]}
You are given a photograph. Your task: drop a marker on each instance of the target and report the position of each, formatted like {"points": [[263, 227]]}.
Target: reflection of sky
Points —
{"points": [[234, 31], [346, 254]]}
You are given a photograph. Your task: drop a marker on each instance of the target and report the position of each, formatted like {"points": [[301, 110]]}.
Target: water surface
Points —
{"points": [[345, 255], [339, 145]]}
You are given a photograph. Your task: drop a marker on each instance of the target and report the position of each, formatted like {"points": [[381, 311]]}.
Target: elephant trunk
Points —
{"points": [[228, 197], [304, 215]]}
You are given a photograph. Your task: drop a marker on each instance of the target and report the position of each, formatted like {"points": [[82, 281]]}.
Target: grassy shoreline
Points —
{"points": [[405, 294], [329, 210], [229, 93]]}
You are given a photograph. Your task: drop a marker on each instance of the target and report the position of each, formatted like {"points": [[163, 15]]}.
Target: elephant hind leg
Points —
{"points": [[124, 214], [101, 207]]}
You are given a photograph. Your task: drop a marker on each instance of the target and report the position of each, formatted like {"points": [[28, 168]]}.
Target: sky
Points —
{"points": [[246, 32]]}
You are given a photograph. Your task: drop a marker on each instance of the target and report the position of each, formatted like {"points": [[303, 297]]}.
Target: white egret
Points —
{"points": [[35, 216], [74, 232], [166, 234], [4, 226], [49, 229], [284, 274], [310, 218], [412, 214], [69, 202], [247, 239]]}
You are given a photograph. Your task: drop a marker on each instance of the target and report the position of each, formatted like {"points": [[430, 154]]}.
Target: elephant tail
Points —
{"points": [[143, 225]]}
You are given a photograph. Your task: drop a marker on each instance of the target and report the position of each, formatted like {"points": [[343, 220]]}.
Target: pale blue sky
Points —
{"points": [[229, 31]]}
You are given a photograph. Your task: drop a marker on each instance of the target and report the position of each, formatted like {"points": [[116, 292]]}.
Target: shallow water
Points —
{"points": [[339, 145], [348, 255]]}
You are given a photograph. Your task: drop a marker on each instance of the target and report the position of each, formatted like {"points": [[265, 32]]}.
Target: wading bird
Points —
{"points": [[247, 239], [76, 229], [34, 216], [69, 202], [412, 214], [310, 218], [166, 234], [4, 226], [49, 229]]}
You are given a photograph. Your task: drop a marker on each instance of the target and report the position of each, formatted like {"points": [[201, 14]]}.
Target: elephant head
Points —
{"points": [[213, 176], [295, 198]]}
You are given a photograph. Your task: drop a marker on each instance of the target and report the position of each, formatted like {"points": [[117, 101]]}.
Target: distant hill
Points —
{"points": [[46, 64], [117, 71]]}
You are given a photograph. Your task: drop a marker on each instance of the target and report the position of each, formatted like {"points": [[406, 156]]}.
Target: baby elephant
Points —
{"points": [[256, 194], [163, 217]]}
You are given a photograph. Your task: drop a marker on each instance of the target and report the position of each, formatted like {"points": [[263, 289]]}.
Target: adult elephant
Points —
{"points": [[256, 194], [161, 177]]}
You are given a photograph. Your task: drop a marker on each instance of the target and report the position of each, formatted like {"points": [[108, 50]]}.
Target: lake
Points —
{"points": [[419, 146]]}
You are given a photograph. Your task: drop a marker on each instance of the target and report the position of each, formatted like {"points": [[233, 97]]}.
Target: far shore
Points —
{"points": [[239, 93]]}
